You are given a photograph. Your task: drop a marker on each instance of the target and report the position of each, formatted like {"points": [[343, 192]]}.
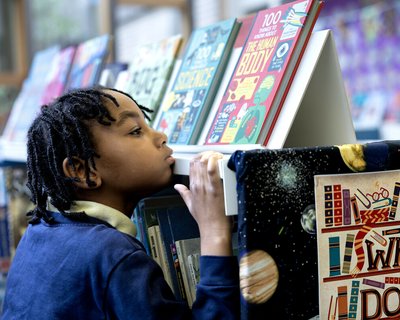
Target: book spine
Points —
{"points": [[163, 257], [328, 194], [334, 256], [194, 272], [355, 288], [178, 271], [346, 207], [342, 303], [395, 200], [338, 207], [184, 271], [348, 251]]}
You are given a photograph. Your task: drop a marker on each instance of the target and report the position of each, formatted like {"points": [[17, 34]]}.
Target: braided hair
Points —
{"points": [[60, 132]]}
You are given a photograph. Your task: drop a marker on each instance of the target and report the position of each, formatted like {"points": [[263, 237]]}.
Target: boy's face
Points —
{"points": [[134, 158]]}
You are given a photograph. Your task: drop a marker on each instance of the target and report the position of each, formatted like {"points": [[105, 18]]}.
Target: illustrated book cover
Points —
{"points": [[358, 231], [56, 80], [246, 23], [150, 69], [277, 235], [88, 62], [186, 106], [263, 74], [27, 104]]}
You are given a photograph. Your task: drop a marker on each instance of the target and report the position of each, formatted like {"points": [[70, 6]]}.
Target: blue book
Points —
{"points": [[186, 106]]}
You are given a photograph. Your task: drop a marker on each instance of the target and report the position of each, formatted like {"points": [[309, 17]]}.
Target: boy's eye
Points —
{"points": [[136, 132]]}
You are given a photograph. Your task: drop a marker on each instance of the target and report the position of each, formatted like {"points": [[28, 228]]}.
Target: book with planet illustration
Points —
{"points": [[277, 233]]}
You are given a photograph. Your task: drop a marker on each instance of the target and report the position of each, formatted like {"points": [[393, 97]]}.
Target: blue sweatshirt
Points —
{"points": [[88, 269]]}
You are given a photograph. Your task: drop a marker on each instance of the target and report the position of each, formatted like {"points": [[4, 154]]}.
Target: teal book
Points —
{"points": [[185, 107]]}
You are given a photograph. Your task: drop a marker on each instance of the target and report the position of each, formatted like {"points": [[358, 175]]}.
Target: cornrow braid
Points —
{"points": [[60, 132]]}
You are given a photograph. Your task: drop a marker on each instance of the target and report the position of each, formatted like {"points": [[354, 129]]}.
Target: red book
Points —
{"points": [[262, 77]]}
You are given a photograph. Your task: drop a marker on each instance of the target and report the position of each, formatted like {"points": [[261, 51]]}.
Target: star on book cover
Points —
{"points": [[277, 231]]}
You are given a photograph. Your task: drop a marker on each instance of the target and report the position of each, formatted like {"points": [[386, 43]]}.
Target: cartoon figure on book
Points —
{"points": [[91, 158]]}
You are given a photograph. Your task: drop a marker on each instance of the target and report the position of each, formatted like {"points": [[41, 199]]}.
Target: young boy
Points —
{"points": [[91, 158]]}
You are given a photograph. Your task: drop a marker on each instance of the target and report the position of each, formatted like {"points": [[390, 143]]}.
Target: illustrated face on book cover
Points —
{"points": [[277, 221]]}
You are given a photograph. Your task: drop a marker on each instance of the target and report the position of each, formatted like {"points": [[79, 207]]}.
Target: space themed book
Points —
{"points": [[263, 74], [277, 232], [358, 231], [185, 107]]}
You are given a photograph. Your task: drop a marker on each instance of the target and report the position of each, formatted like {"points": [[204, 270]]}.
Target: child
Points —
{"points": [[91, 158]]}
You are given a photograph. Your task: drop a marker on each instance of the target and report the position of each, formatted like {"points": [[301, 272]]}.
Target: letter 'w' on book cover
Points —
{"points": [[277, 222], [186, 106], [262, 77], [358, 257]]}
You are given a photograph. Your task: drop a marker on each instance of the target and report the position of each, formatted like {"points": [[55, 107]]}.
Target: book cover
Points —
{"points": [[358, 259], [88, 62], [184, 110], [150, 69], [263, 74], [58, 75], [28, 102], [246, 23], [276, 221]]}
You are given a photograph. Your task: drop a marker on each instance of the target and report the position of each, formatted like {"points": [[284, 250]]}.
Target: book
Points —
{"points": [[27, 104], [158, 252], [88, 62], [150, 69], [246, 23], [58, 75], [262, 77], [111, 72], [176, 223], [276, 221], [358, 261], [184, 249], [183, 112]]}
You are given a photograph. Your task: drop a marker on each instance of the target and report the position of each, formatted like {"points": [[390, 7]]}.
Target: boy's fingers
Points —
{"points": [[184, 192]]}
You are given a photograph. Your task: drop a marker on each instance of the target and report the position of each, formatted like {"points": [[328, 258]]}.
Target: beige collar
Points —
{"points": [[102, 212]]}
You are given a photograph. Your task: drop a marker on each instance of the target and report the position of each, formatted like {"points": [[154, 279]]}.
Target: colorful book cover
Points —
{"points": [[57, 78], [277, 222], [263, 74], [150, 70], [185, 108], [27, 104], [246, 23], [88, 62], [359, 274]]}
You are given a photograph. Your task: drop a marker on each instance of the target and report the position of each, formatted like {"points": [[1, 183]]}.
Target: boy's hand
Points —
{"points": [[205, 200]]}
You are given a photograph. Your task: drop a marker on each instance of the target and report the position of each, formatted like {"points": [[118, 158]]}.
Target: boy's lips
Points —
{"points": [[170, 159]]}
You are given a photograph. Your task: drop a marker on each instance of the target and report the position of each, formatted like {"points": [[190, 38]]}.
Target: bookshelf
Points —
{"points": [[303, 121]]}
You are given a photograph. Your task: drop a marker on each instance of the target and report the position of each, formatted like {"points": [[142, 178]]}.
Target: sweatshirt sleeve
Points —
{"points": [[217, 294], [137, 290]]}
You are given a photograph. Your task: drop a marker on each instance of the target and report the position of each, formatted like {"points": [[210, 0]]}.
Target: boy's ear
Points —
{"points": [[77, 170]]}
